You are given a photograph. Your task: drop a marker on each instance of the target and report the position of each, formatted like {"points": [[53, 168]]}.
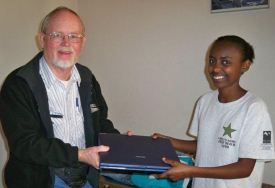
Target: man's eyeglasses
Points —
{"points": [[60, 37]]}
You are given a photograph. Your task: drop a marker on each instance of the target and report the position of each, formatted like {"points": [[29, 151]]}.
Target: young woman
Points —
{"points": [[232, 125]]}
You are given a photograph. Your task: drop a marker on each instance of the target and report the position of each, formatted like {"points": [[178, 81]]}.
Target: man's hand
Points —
{"points": [[90, 155], [129, 133]]}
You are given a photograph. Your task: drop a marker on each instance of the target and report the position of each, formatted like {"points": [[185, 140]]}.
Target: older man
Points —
{"points": [[52, 110]]}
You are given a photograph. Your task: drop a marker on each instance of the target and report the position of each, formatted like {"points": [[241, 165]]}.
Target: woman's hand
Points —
{"points": [[158, 135], [177, 171]]}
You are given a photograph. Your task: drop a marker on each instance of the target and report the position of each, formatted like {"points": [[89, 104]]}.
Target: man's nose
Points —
{"points": [[65, 40]]}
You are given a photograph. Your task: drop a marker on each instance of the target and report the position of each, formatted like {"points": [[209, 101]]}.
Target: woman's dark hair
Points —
{"points": [[245, 47]]}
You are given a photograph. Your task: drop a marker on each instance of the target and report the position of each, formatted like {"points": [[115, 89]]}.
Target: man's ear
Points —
{"points": [[40, 40], [83, 42], [246, 65]]}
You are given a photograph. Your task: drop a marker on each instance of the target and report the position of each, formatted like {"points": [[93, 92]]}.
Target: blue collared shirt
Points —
{"points": [[64, 105]]}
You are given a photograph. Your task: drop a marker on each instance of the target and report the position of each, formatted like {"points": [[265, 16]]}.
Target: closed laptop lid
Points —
{"points": [[135, 153]]}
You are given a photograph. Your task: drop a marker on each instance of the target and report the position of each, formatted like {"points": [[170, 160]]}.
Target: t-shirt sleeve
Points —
{"points": [[194, 127], [257, 140]]}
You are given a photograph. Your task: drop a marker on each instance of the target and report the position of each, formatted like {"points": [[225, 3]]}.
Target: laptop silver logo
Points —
{"points": [[141, 156]]}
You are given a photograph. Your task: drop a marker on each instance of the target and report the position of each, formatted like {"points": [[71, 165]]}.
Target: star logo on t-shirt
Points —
{"points": [[228, 130]]}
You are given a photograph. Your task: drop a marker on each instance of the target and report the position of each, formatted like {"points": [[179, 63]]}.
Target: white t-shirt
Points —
{"points": [[229, 131]]}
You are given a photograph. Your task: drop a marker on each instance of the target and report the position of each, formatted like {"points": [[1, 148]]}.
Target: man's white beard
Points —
{"points": [[64, 64]]}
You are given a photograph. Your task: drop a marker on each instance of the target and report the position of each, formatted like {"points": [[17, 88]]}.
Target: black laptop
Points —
{"points": [[135, 153]]}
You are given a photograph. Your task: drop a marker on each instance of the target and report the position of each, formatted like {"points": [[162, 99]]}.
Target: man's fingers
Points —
{"points": [[96, 165], [130, 133], [103, 148]]}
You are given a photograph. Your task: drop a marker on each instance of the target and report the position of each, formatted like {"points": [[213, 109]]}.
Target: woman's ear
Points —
{"points": [[246, 65]]}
